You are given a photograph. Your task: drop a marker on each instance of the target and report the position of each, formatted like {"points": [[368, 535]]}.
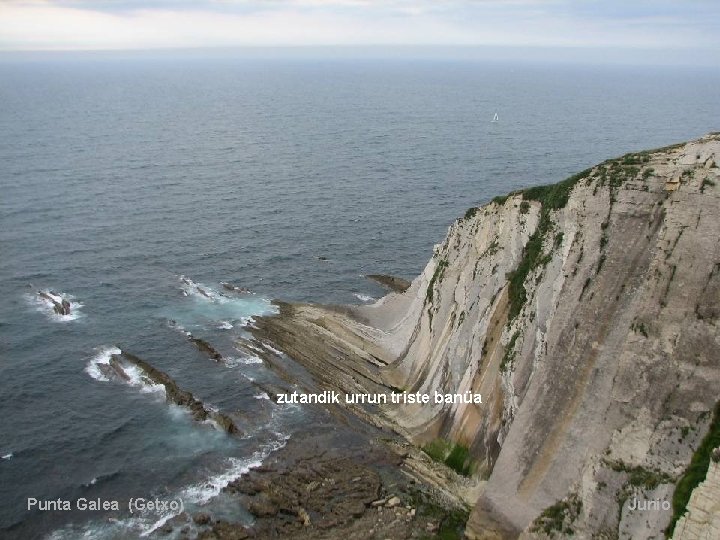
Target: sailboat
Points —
{"points": [[495, 118]]}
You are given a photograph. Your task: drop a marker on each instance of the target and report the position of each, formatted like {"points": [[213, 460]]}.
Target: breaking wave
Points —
{"points": [[98, 368], [210, 308], [101, 358], [47, 307]]}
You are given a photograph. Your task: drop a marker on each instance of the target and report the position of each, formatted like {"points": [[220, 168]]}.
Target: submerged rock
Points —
{"points": [[234, 288], [393, 283], [206, 348]]}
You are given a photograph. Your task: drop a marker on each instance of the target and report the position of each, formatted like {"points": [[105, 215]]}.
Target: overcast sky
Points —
{"points": [[679, 25]]}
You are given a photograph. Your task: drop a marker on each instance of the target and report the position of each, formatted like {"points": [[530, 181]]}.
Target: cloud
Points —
{"points": [[135, 24]]}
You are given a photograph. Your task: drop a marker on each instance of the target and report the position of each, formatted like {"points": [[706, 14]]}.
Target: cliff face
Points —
{"points": [[702, 521], [585, 313]]}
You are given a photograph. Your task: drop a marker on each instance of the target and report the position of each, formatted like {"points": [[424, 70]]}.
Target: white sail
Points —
{"points": [[495, 118]]}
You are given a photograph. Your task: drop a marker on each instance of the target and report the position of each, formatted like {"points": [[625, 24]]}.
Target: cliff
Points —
{"points": [[585, 313]]}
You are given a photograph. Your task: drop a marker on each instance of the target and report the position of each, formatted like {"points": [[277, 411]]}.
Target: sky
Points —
{"points": [[684, 27]]}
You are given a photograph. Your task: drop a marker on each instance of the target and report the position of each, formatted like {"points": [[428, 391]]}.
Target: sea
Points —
{"points": [[135, 186]]}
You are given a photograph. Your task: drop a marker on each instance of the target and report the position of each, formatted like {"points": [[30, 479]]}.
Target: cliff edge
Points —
{"points": [[585, 313]]}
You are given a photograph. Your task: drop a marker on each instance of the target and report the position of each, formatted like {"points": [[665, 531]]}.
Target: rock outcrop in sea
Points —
{"points": [[61, 306], [116, 367], [586, 314]]}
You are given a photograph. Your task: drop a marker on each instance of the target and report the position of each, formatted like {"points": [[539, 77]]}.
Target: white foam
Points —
{"points": [[198, 494], [363, 297], [253, 347], [136, 376], [235, 361], [45, 306], [102, 357], [202, 493], [198, 290], [139, 379], [263, 395], [225, 325], [272, 349], [159, 523]]}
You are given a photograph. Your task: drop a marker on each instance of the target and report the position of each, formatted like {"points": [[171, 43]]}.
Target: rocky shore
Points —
{"points": [[330, 484], [587, 306]]}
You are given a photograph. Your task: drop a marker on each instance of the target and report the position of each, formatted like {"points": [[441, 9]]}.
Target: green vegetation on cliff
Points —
{"points": [[696, 471], [559, 517], [455, 456], [551, 197]]}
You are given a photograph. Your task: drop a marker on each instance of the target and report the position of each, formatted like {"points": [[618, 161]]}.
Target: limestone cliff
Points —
{"points": [[585, 313]]}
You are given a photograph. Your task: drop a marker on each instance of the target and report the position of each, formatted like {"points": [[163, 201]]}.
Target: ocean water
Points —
{"points": [[118, 177]]}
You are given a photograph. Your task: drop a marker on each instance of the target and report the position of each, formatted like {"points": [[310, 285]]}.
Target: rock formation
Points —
{"points": [[204, 347], [393, 283], [585, 313], [174, 394], [61, 306]]}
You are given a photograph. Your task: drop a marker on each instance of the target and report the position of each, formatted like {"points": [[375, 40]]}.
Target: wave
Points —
{"points": [[212, 308], [364, 297], [102, 358], [101, 478], [272, 349], [100, 368], [53, 304], [194, 495], [190, 288], [235, 361], [202, 492]]}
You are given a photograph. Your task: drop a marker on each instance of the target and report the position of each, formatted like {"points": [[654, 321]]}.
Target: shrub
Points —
{"points": [[706, 183]]}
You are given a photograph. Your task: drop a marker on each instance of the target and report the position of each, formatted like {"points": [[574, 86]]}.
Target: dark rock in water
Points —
{"points": [[176, 395], [114, 369], [62, 307], [106, 370], [393, 283], [206, 348], [224, 421], [234, 288], [197, 287]]}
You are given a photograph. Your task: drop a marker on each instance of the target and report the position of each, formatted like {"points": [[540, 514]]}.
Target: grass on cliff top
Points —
{"points": [[696, 471], [455, 456]]}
